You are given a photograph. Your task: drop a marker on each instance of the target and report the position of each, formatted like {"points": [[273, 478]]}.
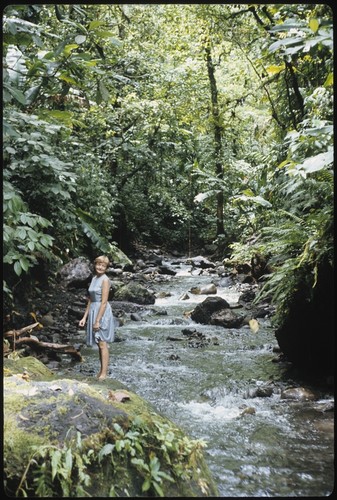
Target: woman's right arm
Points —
{"points": [[84, 319]]}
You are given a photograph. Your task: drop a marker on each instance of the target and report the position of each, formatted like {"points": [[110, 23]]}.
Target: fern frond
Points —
{"points": [[87, 223]]}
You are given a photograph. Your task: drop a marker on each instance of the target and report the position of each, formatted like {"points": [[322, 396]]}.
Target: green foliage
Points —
{"points": [[302, 35], [58, 471], [88, 223], [65, 470], [297, 235], [34, 161], [95, 194], [152, 447], [24, 237]]}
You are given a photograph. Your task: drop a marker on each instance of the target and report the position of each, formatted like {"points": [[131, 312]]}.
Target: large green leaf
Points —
{"points": [[317, 162], [285, 42], [16, 93], [258, 200], [32, 93]]}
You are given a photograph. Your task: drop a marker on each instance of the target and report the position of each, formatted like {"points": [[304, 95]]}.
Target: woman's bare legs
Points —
{"points": [[104, 360]]}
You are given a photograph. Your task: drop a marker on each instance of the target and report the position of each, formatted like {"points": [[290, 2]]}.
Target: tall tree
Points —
{"points": [[218, 134]]}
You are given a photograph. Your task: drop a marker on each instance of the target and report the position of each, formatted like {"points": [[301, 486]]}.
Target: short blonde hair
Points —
{"points": [[104, 259]]}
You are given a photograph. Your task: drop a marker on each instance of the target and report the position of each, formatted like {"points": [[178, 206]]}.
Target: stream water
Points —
{"points": [[285, 448]]}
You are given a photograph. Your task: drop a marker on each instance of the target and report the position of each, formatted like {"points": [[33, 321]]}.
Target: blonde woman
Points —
{"points": [[100, 325]]}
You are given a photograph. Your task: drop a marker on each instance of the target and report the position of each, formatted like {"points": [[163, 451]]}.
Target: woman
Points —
{"points": [[100, 326]]}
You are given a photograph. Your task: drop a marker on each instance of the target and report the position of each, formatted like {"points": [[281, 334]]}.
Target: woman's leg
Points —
{"points": [[104, 359], [100, 362]]}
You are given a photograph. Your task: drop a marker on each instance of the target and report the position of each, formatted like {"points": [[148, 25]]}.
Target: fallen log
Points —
{"points": [[62, 348], [15, 338], [17, 333]]}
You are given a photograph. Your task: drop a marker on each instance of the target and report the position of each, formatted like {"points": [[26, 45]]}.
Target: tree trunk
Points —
{"points": [[217, 139]]}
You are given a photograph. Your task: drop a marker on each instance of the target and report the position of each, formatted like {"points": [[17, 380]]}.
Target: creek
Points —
{"points": [[278, 447]]}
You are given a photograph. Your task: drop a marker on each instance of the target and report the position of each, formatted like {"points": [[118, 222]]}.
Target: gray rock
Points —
{"points": [[134, 292], [226, 318], [298, 394], [76, 273], [203, 312]]}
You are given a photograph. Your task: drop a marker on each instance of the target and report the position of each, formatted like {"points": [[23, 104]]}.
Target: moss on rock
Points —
{"points": [[28, 366], [81, 437]]}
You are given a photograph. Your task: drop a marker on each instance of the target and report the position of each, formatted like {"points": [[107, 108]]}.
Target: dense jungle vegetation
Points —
{"points": [[175, 125]]}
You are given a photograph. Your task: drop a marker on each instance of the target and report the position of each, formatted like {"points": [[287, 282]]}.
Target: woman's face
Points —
{"points": [[100, 267]]}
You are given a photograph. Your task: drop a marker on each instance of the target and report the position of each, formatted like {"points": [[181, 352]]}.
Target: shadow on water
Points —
{"points": [[256, 445]]}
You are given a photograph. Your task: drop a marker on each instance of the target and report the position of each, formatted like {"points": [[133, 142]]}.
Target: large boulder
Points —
{"points": [[202, 312], [134, 292], [76, 273], [84, 438]]}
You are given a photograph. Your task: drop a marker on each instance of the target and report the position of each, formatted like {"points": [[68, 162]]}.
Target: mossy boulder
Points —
{"points": [[135, 292], [81, 437]]}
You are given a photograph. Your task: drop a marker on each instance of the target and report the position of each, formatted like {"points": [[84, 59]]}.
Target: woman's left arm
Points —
{"points": [[104, 301]]}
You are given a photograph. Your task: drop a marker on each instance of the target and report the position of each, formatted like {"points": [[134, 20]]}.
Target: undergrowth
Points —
{"points": [[156, 451]]}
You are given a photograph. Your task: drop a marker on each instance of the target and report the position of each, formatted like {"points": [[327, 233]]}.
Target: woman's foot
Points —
{"points": [[102, 377]]}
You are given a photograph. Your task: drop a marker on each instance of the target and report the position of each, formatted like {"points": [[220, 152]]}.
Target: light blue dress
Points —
{"points": [[107, 323]]}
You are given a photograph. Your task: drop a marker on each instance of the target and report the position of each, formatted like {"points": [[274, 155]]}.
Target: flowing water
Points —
{"points": [[285, 448]]}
